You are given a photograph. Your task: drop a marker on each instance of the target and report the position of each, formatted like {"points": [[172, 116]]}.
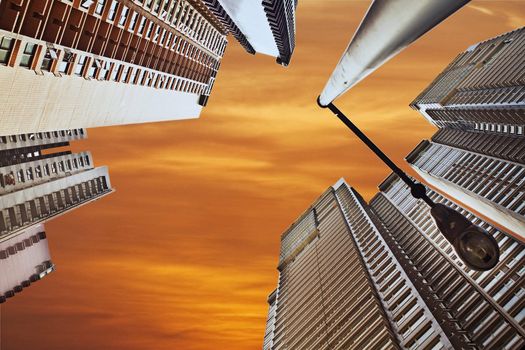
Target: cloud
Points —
{"points": [[184, 254]]}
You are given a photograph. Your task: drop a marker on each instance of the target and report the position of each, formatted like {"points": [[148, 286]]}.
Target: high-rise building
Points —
{"points": [[488, 306], [325, 297], [39, 180], [268, 26], [359, 276], [478, 155], [85, 63], [482, 89]]}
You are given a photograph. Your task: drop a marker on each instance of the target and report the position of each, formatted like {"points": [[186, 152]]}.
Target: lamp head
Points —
{"points": [[475, 246]]}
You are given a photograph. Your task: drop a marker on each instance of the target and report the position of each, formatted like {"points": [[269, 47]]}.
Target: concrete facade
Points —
{"points": [[76, 64], [38, 182], [478, 155], [354, 275]]}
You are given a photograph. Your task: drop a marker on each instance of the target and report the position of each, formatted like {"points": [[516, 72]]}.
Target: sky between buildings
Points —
{"points": [[184, 254]]}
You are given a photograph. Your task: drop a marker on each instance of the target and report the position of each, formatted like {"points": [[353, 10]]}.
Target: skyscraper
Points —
{"points": [[38, 181], [482, 89], [267, 25], [359, 276], [77, 64], [86, 63], [489, 306], [478, 155]]}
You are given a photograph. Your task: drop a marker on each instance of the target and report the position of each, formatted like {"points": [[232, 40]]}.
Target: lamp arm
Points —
{"points": [[417, 190]]}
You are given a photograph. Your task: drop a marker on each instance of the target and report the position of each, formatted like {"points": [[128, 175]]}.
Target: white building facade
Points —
{"points": [[37, 183], [478, 155], [77, 64]]}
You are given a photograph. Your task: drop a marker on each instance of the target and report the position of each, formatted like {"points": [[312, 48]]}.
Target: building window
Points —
{"points": [[80, 65], [133, 75], [157, 6], [163, 36], [20, 175], [49, 57], [123, 16], [92, 71], [125, 72], [66, 61], [28, 55], [157, 32], [141, 26], [100, 7], [150, 28], [165, 9], [115, 71], [151, 77], [104, 69], [175, 40], [86, 4], [133, 21], [112, 10], [6, 46], [171, 11], [168, 41]]}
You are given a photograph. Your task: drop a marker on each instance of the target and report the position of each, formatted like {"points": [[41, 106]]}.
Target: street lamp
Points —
{"points": [[474, 246]]}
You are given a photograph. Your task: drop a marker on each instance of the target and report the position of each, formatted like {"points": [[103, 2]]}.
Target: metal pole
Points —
{"points": [[387, 28], [416, 189]]}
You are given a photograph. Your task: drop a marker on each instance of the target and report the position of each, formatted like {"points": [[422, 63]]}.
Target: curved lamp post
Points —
{"points": [[388, 27], [474, 246]]}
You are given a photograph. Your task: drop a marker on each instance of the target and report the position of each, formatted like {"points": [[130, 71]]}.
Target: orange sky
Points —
{"points": [[184, 254]]}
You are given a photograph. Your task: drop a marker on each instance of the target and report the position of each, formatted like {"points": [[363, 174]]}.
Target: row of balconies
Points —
{"points": [[51, 204], [64, 62]]}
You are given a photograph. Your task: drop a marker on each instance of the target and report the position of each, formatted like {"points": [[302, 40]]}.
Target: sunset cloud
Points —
{"points": [[184, 254]]}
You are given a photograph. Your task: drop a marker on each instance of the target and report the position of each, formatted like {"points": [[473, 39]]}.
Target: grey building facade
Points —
{"points": [[478, 154], [489, 306], [354, 275]]}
